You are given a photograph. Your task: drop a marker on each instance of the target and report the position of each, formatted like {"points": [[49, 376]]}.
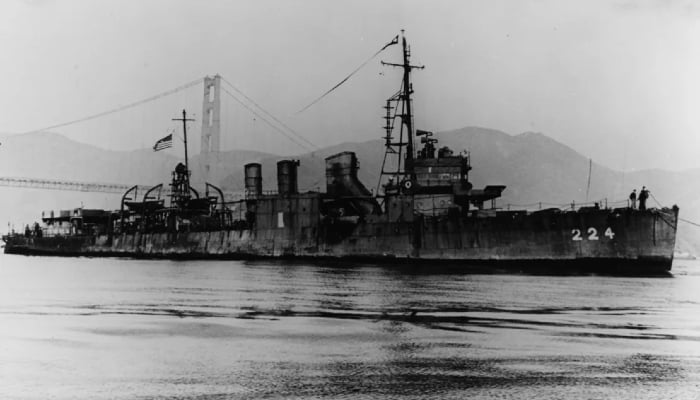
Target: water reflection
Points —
{"points": [[124, 329]]}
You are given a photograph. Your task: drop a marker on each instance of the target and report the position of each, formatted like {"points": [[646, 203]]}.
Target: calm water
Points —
{"points": [[132, 329]]}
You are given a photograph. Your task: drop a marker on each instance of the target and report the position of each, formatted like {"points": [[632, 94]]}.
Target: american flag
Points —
{"points": [[164, 143]]}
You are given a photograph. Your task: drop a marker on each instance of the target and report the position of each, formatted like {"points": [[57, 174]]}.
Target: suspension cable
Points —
{"points": [[292, 131], [122, 108], [287, 135], [308, 146]]}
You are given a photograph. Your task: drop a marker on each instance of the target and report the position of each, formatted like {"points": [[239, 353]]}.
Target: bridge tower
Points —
{"points": [[211, 124]]}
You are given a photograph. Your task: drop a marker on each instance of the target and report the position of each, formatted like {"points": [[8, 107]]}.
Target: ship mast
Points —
{"points": [[404, 98], [184, 120], [408, 117]]}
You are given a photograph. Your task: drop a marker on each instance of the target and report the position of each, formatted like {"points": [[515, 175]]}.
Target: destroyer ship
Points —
{"points": [[425, 210]]}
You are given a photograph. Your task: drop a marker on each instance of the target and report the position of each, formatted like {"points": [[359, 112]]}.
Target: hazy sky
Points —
{"points": [[618, 81]]}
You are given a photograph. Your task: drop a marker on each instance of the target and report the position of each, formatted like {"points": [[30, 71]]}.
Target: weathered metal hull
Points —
{"points": [[621, 239]]}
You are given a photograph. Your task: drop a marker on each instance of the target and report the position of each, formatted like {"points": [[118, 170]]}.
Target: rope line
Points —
{"points": [[122, 108], [669, 223], [689, 222], [392, 42], [652, 196]]}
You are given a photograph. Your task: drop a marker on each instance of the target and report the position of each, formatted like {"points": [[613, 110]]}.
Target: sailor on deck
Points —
{"points": [[643, 196], [633, 199]]}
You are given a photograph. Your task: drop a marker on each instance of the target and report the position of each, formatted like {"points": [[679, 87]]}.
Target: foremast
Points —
{"points": [[399, 106]]}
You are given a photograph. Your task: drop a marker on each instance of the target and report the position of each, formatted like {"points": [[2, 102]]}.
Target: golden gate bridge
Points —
{"points": [[213, 89]]}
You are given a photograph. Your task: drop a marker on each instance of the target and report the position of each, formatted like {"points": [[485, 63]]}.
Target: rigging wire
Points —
{"points": [[670, 224], [652, 196], [269, 114], [121, 108], [395, 40], [689, 222], [287, 135]]}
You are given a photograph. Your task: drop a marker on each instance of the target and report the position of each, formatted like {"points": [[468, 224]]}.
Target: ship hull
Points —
{"points": [[598, 240]]}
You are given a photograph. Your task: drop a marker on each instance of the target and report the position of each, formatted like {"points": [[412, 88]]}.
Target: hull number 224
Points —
{"points": [[592, 234]]}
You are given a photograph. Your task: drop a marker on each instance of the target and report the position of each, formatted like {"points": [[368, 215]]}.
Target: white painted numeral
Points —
{"points": [[592, 234], [609, 233], [577, 234]]}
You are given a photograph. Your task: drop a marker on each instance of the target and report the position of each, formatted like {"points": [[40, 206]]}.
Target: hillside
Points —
{"points": [[53, 156], [534, 167]]}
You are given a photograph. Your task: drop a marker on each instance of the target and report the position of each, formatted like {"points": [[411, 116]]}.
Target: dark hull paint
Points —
{"points": [[608, 266], [624, 241]]}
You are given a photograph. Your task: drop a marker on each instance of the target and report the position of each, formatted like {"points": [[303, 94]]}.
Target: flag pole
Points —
{"points": [[184, 120]]}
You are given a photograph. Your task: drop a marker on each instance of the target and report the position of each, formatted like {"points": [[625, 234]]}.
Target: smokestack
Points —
{"points": [[287, 177], [253, 180]]}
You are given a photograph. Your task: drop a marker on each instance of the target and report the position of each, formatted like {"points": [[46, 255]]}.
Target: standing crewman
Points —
{"points": [[643, 196], [633, 199]]}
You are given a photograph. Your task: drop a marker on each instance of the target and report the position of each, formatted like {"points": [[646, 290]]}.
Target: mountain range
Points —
{"points": [[537, 171]]}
